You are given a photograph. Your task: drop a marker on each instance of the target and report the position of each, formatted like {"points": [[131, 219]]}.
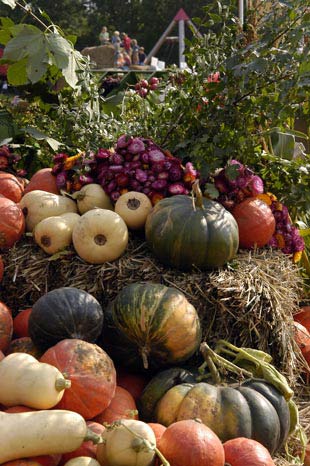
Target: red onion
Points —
{"points": [[123, 141], [114, 196], [155, 156], [177, 188], [86, 179], [144, 157], [102, 154], [163, 176], [122, 180], [111, 187], [136, 146], [175, 173], [141, 175], [116, 159], [116, 168], [159, 185]]}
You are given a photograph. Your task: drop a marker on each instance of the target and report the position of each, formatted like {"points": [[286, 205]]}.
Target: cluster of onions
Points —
{"points": [[135, 164], [236, 182]]}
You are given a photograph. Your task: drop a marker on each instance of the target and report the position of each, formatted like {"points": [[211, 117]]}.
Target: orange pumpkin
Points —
{"points": [[133, 383], [191, 443], [158, 430], [11, 187], [20, 323], [302, 338], [91, 372], [22, 462], [24, 345], [1, 269], [122, 406], [6, 327], [1, 355], [18, 409], [303, 317], [43, 180], [256, 223], [87, 448], [246, 452], [12, 222]]}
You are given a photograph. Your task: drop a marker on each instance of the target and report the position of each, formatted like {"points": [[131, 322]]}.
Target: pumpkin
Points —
{"points": [[24, 345], [150, 325], [62, 313], [244, 451], [123, 446], [1, 355], [37, 205], [43, 460], [91, 372], [158, 430], [307, 456], [6, 327], [19, 409], [191, 443], [256, 223], [12, 223], [133, 383], [20, 323], [22, 462], [82, 461], [254, 409], [92, 196], [302, 338], [11, 187], [26, 381], [53, 234], [43, 432], [87, 448], [134, 208], [43, 180], [1, 269], [122, 406], [183, 232], [303, 317], [100, 236]]}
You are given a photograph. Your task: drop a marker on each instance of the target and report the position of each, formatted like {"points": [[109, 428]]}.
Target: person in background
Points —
{"points": [[115, 39], [116, 42], [104, 36], [125, 42], [142, 56], [134, 52], [127, 60]]}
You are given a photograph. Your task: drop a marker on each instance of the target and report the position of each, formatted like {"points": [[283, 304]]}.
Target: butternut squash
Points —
{"points": [[92, 196], [54, 234], [26, 381], [37, 205], [44, 432]]}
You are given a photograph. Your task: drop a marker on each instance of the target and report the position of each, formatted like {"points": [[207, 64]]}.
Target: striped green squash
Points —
{"points": [[149, 326], [183, 232]]}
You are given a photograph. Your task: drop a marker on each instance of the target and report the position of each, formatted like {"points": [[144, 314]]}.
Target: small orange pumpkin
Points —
{"points": [[158, 430], [133, 383], [6, 327], [246, 452], [11, 187], [1, 269], [12, 222], [20, 323], [43, 180], [303, 317], [23, 345], [122, 406], [302, 338]]}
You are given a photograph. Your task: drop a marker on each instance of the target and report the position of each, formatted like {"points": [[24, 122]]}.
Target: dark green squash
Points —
{"points": [[63, 313], [183, 232], [254, 409], [149, 326]]}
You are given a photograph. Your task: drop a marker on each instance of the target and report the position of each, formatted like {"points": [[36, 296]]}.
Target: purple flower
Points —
{"points": [[123, 141], [136, 146], [61, 157], [61, 180], [103, 154], [256, 185]]}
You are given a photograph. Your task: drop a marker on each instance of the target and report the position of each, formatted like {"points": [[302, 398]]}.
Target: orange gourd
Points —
{"points": [[302, 338], [43, 180], [91, 372], [133, 383], [256, 223], [122, 406], [246, 452], [12, 222], [6, 327], [20, 323], [191, 443], [303, 317], [158, 429], [11, 187]]}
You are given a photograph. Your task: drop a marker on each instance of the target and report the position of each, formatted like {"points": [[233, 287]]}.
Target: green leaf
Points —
{"points": [[60, 49], [5, 36], [6, 22], [211, 191], [17, 74], [36, 134], [69, 72], [11, 3], [283, 144], [26, 43]]}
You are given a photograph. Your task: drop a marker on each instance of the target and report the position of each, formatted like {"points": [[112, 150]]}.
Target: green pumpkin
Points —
{"points": [[183, 232], [150, 326], [254, 409]]}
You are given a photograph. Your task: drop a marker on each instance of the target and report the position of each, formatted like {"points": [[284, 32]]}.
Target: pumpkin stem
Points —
{"points": [[144, 354], [93, 437], [198, 194], [62, 384]]}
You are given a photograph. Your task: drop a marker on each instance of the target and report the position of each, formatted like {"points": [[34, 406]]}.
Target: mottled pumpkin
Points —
{"points": [[183, 232], [150, 325], [24, 345], [11, 187], [254, 409], [91, 372], [12, 223]]}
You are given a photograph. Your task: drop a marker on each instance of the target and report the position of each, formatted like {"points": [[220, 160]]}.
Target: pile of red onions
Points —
{"points": [[135, 164]]}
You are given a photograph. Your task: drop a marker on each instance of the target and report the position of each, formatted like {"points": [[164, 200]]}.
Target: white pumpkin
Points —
{"points": [[100, 236], [133, 207], [127, 443], [91, 196], [82, 461], [53, 234], [37, 205]]}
